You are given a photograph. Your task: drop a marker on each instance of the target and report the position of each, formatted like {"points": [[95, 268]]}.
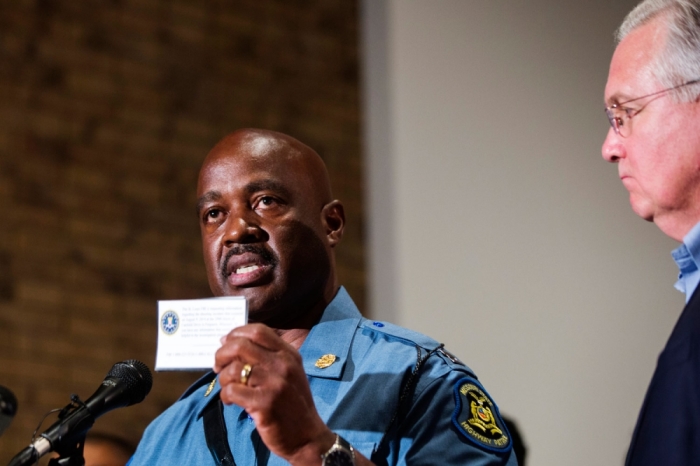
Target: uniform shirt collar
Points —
{"points": [[331, 336]]}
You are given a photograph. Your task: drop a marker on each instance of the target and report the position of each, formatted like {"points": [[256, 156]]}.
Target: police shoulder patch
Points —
{"points": [[477, 418]]}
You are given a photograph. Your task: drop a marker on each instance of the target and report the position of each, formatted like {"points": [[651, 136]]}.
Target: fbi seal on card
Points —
{"points": [[169, 322]]}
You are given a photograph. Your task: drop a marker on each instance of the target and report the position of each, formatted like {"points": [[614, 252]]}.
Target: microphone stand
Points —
{"points": [[70, 450], [70, 455]]}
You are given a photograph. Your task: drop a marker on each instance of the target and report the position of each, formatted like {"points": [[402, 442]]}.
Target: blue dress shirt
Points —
{"points": [[687, 257]]}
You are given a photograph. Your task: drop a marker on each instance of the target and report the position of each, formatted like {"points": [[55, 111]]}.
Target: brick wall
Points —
{"points": [[106, 111]]}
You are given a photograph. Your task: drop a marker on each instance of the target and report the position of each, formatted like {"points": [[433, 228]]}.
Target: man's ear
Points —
{"points": [[333, 218]]}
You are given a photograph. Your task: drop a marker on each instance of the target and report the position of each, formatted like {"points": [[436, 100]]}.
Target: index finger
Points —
{"points": [[260, 334]]}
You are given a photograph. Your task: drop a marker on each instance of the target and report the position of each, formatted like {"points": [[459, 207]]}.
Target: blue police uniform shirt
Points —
{"points": [[668, 427], [356, 397]]}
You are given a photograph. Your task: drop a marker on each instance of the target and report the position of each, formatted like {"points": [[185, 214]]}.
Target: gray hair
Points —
{"points": [[679, 60]]}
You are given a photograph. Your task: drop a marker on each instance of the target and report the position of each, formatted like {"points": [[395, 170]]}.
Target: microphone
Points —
{"points": [[127, 383], [8, 408]]}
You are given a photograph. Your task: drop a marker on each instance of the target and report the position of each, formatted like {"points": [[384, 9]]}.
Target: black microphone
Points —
{"points": [[127, 383], [8, 408]]}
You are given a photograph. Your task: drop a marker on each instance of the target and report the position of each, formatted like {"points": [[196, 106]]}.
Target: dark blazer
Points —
{"points": [[668, 428]]}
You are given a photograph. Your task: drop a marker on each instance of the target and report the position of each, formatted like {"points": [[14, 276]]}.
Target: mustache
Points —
{"points": [[268, 257]]}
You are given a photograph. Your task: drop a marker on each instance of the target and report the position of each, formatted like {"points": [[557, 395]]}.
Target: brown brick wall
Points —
{"points": [[106, 111]]}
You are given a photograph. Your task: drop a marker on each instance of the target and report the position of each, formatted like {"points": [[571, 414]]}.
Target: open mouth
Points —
{"points": [[247, 264], [246, 269]]}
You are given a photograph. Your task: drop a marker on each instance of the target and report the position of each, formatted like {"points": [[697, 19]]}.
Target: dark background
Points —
{"points": [[107, 109]]}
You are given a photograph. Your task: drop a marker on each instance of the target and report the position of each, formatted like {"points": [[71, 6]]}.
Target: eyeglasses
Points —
{"points": [[620, 116]]}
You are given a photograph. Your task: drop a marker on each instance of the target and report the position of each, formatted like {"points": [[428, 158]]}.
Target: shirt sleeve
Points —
{"points": [[431, 432]]}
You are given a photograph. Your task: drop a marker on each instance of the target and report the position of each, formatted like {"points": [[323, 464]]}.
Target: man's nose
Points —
{"points": [[240, 229], [613, 149]]}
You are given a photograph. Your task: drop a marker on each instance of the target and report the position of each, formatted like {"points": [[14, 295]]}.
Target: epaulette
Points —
{"points": [[453, 360], [416, 339], [401, 333]]}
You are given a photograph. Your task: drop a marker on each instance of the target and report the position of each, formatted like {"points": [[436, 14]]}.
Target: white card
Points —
{"points": [[189, 330]]}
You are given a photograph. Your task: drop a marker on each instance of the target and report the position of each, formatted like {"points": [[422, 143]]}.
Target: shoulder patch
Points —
{"points": [[477, 418]]}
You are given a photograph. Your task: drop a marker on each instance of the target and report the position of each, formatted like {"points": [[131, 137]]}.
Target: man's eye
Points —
{"points": [[211, 214], [267, 201], [628, 112]]}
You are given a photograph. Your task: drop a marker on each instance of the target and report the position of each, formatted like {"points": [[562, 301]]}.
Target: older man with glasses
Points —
{"points": [[652, 97]]}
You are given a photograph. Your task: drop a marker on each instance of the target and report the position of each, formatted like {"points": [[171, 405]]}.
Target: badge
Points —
{"points": [[476, 417], [326, 360], [210, 387]]}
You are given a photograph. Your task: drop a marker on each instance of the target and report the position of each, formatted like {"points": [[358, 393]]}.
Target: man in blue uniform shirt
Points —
{"points": [[652, 98], [309, 381]]}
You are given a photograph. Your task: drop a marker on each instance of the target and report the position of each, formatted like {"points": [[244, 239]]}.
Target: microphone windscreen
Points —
{"points": [[136, 376]]}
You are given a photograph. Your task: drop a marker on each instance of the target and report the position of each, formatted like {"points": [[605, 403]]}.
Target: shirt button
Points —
{"points": [[378, 324]]}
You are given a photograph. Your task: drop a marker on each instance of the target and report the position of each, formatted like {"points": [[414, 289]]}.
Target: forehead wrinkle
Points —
{"points": [[267, 185]]}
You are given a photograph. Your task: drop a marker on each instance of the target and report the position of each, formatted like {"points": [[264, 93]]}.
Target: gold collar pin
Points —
{"points": [[210, 387], [326, 360]]}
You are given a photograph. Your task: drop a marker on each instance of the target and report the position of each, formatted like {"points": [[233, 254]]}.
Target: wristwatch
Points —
{"points": [[340, 454]]}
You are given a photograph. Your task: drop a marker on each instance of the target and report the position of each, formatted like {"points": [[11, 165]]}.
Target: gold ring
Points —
{"points": [[245, 373]]}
